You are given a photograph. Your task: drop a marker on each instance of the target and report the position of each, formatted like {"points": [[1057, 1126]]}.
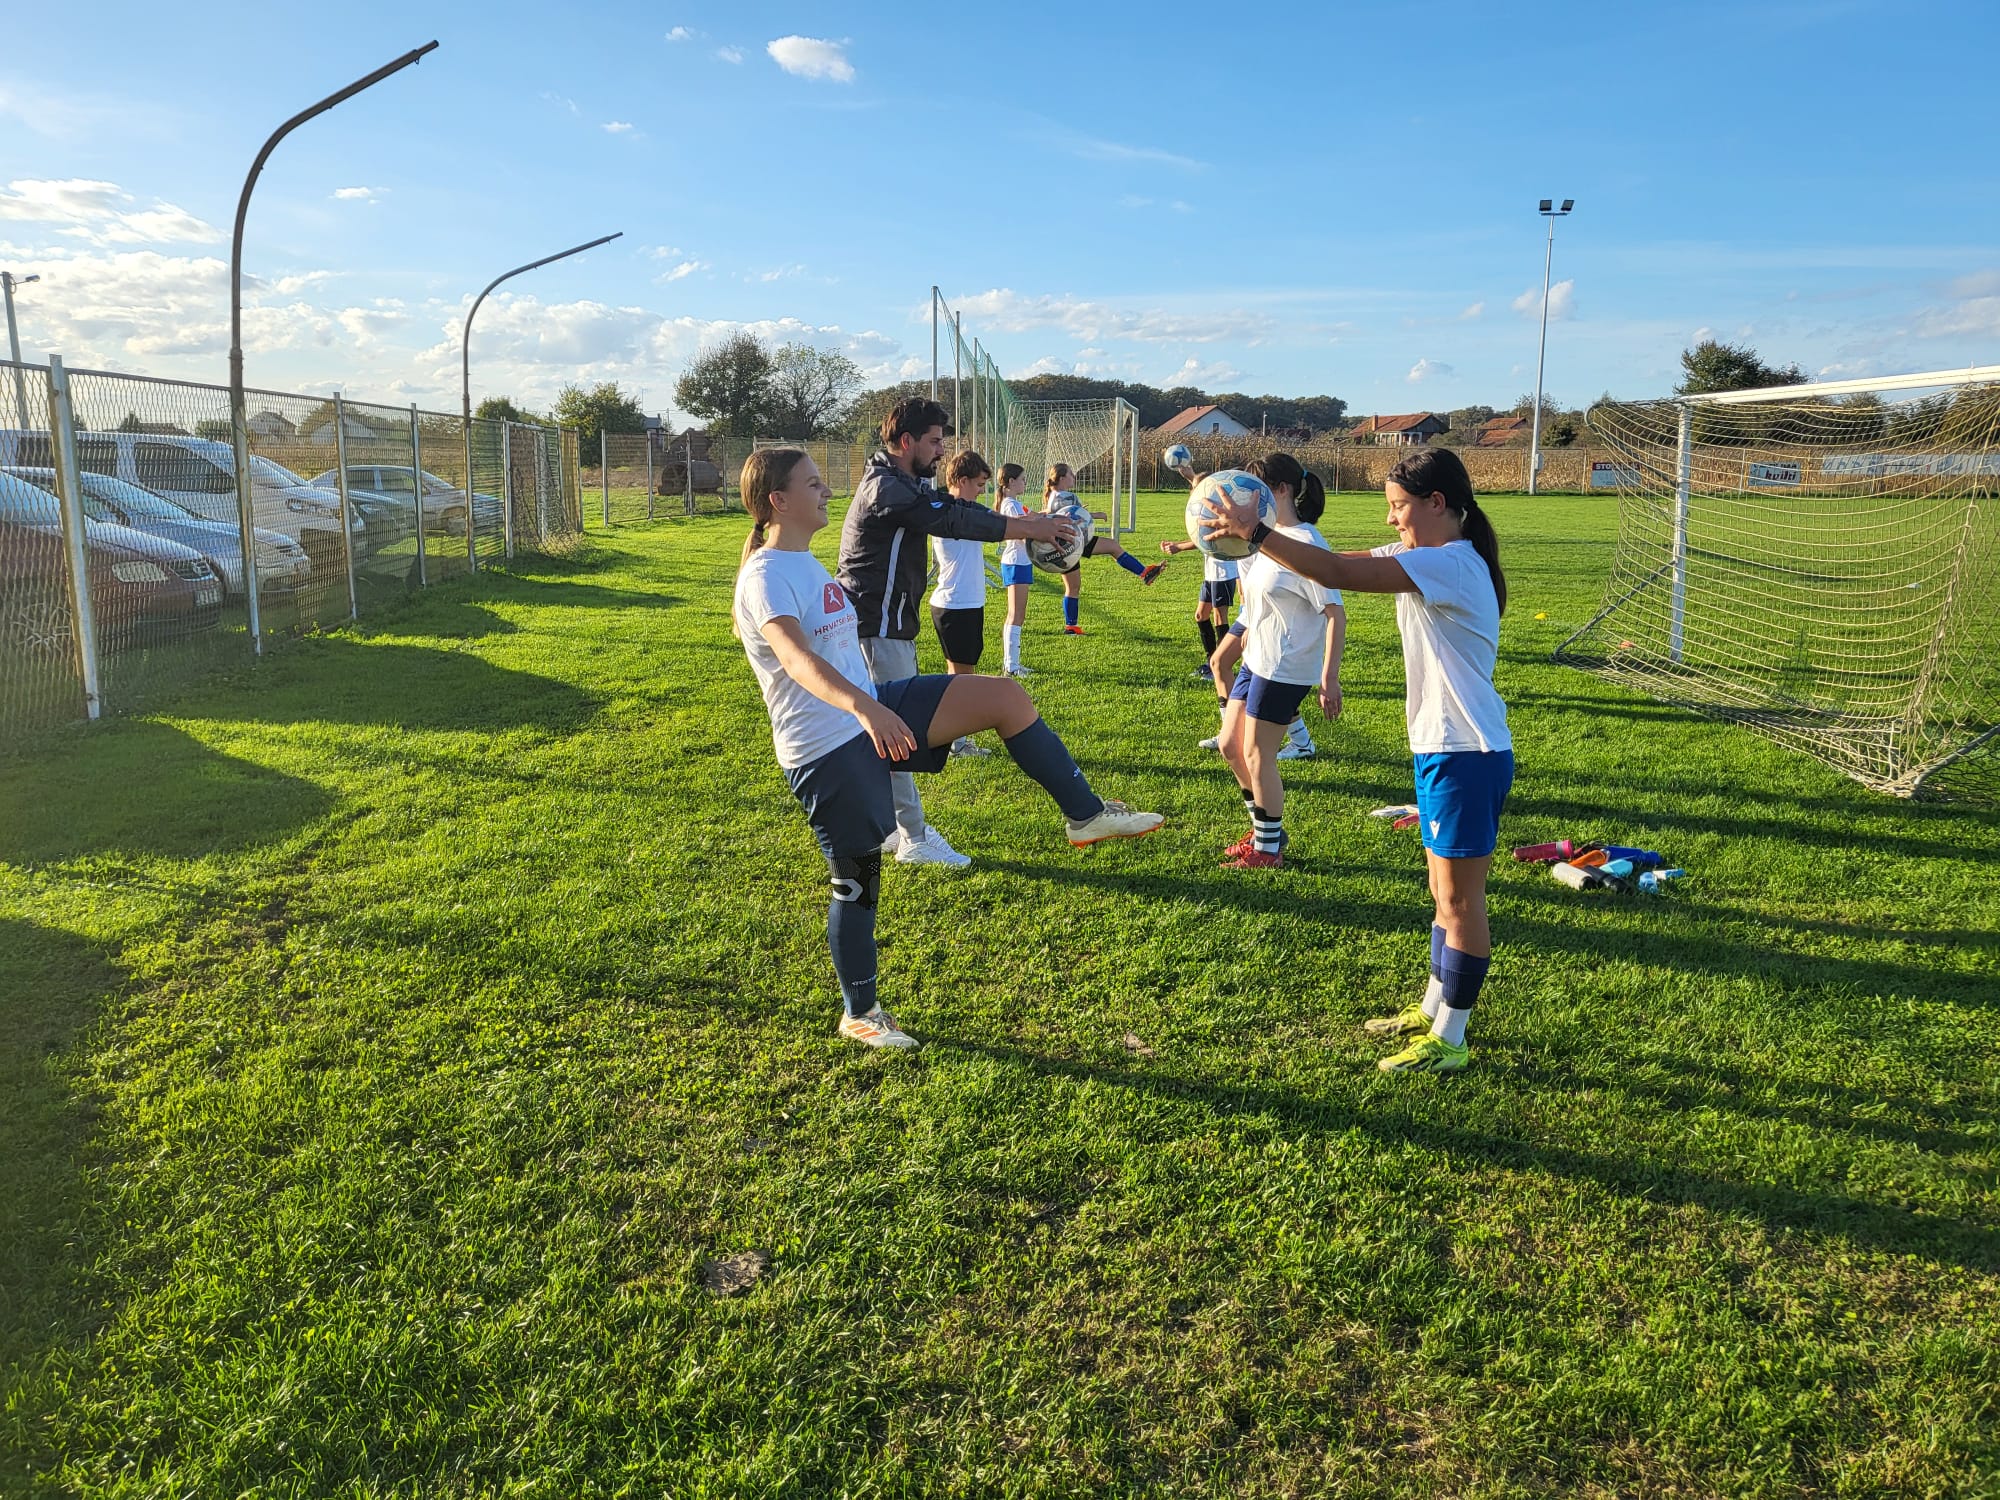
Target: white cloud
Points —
{"points": [[1428, 369], [1979, 316], [291, 286], [1098, 322], [680, 272], [357, 194], [616, 127], [666, 252], [812, 57], [563, 101], [1476, 310], [1093, 148], [1207, 376], [680, 34], [730, 54], [95, 212], [1978, 284], [780, 273], [1562, 297]]}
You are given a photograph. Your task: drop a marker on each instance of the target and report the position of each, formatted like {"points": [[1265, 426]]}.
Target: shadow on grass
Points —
{"points": [[1879, 1226], [52, 987]]}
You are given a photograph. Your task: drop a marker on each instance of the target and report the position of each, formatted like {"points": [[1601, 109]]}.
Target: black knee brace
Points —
{"points": [[857, 880]]}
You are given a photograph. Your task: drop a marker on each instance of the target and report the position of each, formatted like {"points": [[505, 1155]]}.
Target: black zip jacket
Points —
{"points": [[883, 556]]}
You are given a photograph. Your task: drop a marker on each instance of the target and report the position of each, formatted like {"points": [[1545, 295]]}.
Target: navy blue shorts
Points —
{"points": [[1273, 702], [1220, 592], [1459, 797], [846, 793], [1013, 573]]}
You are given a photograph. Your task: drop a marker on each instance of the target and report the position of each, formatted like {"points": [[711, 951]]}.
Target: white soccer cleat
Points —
{"points": [[966, 745], [876, 1029], [1017, 670], [1213, 742], [1115, 821], [932, 850], [1296, 751], [893, 844]]}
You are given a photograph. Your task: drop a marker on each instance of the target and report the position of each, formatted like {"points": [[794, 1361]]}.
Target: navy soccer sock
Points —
{"points": [[1040, 752], [850, 929], [1207, 628], [1463, 975]]}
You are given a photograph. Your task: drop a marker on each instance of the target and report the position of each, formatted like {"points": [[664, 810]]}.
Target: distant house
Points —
{"points": [[1410, 430], [353, 428], [1501, 431], [1205, 421], [271, 424]]}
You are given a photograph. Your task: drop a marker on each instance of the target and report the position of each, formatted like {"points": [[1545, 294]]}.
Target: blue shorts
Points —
{"points": [[1459, 797], [1273, 702], [846, 793], [1219, 592], [1013, 573]]}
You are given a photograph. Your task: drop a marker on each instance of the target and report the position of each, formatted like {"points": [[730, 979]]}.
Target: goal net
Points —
{"points": [[1820, 563]]}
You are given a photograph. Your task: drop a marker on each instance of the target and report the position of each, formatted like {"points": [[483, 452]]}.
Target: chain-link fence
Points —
{"points": [[128, 556], [1343, 464], [655, 475]]}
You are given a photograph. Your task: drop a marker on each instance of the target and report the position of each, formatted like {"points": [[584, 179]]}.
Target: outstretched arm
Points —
{"points": [[1360, 571], [1329, 672], [892, 737]]}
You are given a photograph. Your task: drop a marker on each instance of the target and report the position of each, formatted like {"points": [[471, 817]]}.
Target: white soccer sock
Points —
{"points": [[1297, 732], [1433, 998], [1013, 648], [1450, 1024]]}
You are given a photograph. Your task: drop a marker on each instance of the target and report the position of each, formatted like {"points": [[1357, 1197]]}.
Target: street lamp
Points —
{"points": [[8, 281], [465, 340], [1551, 213], [238, 409]]}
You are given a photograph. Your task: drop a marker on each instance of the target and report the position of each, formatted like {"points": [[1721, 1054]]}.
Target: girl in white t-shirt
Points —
{"points": [[1444, 570], [958, 601], [1017, 569], [1057, 495], [1288, 638], [837, 733]]}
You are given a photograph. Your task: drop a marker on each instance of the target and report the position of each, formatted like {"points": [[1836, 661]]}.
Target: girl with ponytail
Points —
{"points": [[1057, 496], [1444, 570]]}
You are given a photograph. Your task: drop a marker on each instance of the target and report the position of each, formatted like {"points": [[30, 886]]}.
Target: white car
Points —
{"points": [[444, 503]]}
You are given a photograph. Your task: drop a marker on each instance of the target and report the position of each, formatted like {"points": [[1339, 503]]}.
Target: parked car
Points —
{"points": [[282, 564], [444, 504], [199, 474], [143, 588]]}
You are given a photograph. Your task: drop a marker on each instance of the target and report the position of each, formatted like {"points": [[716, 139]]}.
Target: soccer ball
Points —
{"points": [[1178, 457], [1054, 558], [1231, 486]]}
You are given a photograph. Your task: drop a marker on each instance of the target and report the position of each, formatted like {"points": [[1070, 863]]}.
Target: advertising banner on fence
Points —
{"points": [[1610, 476], [1773, 475]]}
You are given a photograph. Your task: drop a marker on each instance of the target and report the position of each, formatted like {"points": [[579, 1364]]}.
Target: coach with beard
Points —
{"points": [[883, 560]]}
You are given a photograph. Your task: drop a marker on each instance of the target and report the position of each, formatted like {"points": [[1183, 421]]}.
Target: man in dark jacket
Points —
{"points": [[884, 556]]}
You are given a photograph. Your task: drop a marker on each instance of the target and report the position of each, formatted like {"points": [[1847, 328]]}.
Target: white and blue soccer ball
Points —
{"points": [[1052, 557], [1232, 487], [1178, 457]]}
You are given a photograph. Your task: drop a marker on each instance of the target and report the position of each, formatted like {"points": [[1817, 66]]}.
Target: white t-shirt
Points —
{"points": [[1451, 635], [1014, 554], [796, 585], [1283, 617], [1218, 569], [961, 573]]}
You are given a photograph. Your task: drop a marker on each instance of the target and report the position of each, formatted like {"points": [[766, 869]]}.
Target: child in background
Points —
{"points": [[1017, 572], [1057, 496]]}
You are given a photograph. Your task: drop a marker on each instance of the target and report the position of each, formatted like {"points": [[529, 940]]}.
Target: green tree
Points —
{"points": [[503, 409], [812, 392], [1712, 365], [603, 409], [729, 387]]}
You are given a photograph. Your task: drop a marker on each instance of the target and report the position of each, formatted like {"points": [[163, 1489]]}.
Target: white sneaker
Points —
{"points": [[1213, 742], [893, 844], [932, 851], [1017, 670], [1115, 821], [1296, 751], [876, 1029], [965, 745]]}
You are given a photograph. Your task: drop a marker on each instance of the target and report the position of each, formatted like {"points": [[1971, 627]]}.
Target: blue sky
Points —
{"points": [[1294, 199]]}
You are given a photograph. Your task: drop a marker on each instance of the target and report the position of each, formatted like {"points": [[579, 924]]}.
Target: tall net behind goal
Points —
{"points": [[1820, 563]]}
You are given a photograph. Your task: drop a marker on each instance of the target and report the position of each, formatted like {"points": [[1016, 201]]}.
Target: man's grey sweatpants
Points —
{"points": [[892, 661]]}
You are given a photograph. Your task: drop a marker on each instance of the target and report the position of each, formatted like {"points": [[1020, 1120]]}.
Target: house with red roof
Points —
{"points": [[1205, 421], [1410, 430]]}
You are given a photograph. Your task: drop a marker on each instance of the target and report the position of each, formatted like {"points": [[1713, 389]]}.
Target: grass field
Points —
{"points": [[389, 1035]]}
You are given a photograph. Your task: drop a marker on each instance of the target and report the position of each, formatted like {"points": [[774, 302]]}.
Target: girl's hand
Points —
{"points": [[892, 738], [1226, 519], [1329, 699]]}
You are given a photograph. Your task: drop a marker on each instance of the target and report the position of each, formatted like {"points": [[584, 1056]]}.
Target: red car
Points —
{"points": [[144, 589]]}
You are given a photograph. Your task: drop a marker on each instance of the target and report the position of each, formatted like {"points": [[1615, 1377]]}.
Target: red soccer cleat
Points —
{"points": [[1153, 571], [1072, 630], [1240, 848], [1255, 861]]}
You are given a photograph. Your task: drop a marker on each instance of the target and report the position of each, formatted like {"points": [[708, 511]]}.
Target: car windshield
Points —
{"points": [[434, 484], [133, 500], [275, 473], [26, 504]]}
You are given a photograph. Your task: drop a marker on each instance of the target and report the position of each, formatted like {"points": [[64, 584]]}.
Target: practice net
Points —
{"points": [[1820, 563]]}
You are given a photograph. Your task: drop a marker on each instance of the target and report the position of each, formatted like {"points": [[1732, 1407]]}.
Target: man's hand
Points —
{"points": [[1224, 519], [1046, 528]]}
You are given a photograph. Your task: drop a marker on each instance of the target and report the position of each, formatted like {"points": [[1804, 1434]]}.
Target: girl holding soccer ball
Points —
{"points": [[837, 734], [1288, 638], [1017, 569], [1444, 569], [1057, 496]]}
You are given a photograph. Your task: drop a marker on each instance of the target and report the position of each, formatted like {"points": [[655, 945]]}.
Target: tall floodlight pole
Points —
{"points": [[934, 346], [8, 281], [465, 339], [238, 413], [1551, 213]]}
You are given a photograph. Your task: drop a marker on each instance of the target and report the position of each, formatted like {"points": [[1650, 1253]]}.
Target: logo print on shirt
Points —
{"points": [[833, 601]]}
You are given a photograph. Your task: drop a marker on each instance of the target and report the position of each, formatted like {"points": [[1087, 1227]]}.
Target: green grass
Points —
{"points": [[388, 1035]]}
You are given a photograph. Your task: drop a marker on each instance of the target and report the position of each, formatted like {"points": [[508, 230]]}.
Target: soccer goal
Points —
{"points": [[1820, 563], [1099, 440]]}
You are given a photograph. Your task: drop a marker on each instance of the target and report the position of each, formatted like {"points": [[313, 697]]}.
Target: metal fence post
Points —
{"points": [[471, 512], [507, 487], [246, 515], [417, 483], [603, 473], [69, 487], [649, 479], [687, 471], [340, 487]]}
